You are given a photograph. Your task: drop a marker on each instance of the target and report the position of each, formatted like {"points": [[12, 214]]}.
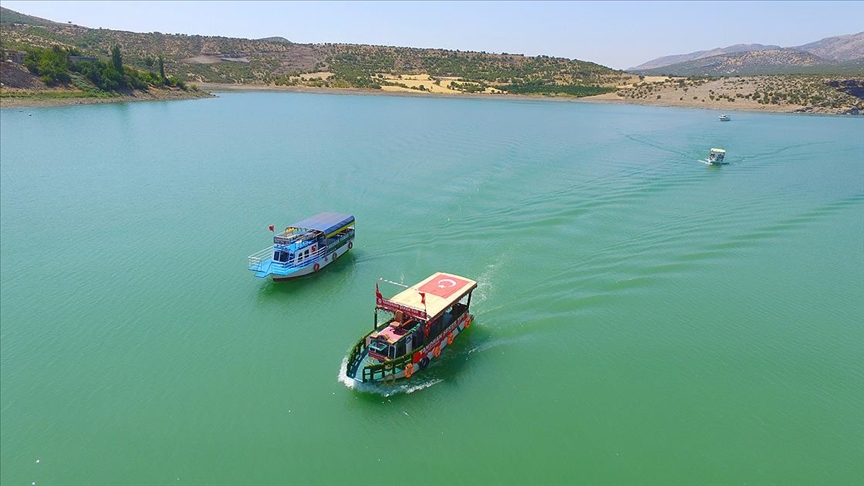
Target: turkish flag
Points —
{"points": [[271, 227], [378, 293], [422, 298], [443, 286]]}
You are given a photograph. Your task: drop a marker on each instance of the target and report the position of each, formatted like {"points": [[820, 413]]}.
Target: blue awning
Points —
{"points": [[326, 222]]}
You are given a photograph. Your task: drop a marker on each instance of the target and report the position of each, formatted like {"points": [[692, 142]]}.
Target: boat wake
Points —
{"points": [[384, 389]]}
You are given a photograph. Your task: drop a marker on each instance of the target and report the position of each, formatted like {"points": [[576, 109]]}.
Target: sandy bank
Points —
{"points": [[32, 99], [666, 95], [703, 101]]}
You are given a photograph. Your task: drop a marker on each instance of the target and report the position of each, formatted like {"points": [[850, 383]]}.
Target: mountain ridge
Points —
{"points": [[277, 63], [836, 51]]}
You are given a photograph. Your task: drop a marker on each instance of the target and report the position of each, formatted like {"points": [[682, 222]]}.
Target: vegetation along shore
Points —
{"points": [[50, 63]]}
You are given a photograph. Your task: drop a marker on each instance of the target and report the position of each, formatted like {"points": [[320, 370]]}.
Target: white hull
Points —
{"points": [[317, 266]]}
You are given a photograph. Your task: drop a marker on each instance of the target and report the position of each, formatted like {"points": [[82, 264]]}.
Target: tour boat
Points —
{"points": [[724, 118], [305, 247], [414, 326], [716, 156]]}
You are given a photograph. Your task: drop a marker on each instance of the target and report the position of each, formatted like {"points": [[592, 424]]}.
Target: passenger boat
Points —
{"points": [[411, 328], [724, 118], [305, 247], [716, 156]]}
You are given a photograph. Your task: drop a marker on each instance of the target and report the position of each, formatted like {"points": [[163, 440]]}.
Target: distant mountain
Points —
{"points": [[841, 48], [759, 63], [836, 55], [679, 58]]}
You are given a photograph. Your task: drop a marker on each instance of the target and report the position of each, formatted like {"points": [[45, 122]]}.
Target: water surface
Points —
{"points": [[642, 318]]}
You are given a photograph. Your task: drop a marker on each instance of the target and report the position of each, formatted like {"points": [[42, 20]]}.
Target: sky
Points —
{"points": [[619, 35]]}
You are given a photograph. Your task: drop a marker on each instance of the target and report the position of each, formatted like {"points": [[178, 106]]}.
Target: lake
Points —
{"points": [[641, 317]]}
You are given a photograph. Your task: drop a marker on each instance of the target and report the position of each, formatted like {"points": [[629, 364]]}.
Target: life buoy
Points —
{"points": [[437, 350], [335, 254], [390, 379], [316, 267], [350, 245], [388, 366], [409, 370], [468, 322], [450, 338], [424, 363]]}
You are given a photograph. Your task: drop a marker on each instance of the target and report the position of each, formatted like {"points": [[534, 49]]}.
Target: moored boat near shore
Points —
{"points": [[414, 326], [305, 247]]}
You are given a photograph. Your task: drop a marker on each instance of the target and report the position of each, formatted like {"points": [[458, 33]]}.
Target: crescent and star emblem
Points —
{"points": [[441, 283]]}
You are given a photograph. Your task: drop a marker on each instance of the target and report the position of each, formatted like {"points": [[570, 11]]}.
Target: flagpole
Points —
{"points": [[394, 283]]}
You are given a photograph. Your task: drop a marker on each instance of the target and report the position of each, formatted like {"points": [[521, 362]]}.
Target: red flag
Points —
{"points": [[377, 292], [422, 298], [271, 227]]}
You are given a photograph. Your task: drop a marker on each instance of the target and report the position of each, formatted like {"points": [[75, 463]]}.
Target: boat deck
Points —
{"points": [[395, 331]]}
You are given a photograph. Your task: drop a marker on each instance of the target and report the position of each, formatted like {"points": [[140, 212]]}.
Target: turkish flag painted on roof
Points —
{"points": [[444, 286]]}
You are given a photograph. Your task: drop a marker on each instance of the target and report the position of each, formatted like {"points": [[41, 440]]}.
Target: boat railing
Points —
{"points": [[259, 257], [380, 371], [356, 356]]}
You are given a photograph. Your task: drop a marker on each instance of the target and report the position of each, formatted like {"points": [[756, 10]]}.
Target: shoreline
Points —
{"points": [[32, 99], [609, 98], [210, 90]]}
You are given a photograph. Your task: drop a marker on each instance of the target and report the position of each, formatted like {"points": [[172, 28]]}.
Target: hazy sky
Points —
{"points": [[614, 34]]}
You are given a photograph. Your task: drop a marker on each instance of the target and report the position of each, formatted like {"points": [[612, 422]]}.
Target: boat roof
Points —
{"points": [[327, 223], [718, 150], [441, 289]]}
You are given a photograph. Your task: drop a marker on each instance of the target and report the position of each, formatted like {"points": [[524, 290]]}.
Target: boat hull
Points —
{"points": [[315, 266], [420, 358]]}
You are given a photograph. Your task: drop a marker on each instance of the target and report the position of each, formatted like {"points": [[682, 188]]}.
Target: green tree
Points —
{"points": [[117, 58], [51, 65], [161, 63]]}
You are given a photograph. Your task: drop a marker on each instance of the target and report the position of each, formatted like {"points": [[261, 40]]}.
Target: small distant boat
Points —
{"points": [[717, 156], [416, 324], [305, 247], [724, 118]]}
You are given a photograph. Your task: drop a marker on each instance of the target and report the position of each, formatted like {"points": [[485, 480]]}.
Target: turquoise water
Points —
{"points": [[641, 318]]}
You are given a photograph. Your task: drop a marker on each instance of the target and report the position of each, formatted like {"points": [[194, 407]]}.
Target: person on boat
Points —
{"points": [[711, 157]]}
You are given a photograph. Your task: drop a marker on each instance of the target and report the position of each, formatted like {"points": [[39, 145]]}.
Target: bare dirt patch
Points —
{"points": [[203, 59], [16, 76]]}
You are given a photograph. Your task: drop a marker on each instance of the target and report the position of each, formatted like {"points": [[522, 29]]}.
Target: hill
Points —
{"points": [[80, 67], [840, 49], [681, 58], [840, 55], [275, 60], [59, 75], [756, 63]]}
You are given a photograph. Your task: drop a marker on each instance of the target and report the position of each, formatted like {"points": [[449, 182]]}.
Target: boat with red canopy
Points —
{"points": [[412, 328]]}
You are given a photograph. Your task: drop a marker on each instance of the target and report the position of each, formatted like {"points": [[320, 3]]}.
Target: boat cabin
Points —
{"points": [[418, 315]]}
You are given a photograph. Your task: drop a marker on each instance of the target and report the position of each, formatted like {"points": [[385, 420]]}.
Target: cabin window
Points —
{"points": [[281, 256], [378, 347], [306, 253]]}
